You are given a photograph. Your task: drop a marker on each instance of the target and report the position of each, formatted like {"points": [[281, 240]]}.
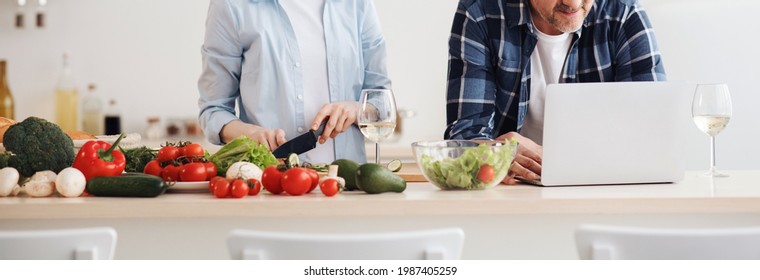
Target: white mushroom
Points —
{"points": [[70, 182], [332, 173], [41, 184], [8, 181], [244, 170]]}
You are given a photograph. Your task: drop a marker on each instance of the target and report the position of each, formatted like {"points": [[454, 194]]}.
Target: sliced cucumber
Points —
{"points": [[395, 165], [292, 161]]}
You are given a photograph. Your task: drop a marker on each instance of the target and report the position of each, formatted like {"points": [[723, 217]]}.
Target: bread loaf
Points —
{"points": [[79, 135], [4, 124]]}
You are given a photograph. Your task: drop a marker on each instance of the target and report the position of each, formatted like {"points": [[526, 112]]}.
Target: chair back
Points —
{"points": [[600, 242], [64, 244], [440, 244]]}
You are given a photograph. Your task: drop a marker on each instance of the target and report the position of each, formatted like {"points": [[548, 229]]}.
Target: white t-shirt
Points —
{"points": [[306, 19], [546, 64]]}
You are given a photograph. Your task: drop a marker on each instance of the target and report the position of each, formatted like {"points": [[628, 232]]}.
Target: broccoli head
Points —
{"points": [[38, 145]]}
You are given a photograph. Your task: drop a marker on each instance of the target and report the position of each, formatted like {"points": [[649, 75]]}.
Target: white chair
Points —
{"points": [[436, 244], [601, 242], [64, 244]]}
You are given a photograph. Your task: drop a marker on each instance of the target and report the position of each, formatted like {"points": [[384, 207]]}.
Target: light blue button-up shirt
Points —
{"points": [[251, 56]]}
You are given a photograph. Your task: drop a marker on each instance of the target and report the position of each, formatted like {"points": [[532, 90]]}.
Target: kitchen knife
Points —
{"points": [[301, 144]]}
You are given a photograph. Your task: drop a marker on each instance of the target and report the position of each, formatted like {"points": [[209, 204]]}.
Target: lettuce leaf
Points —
{"points": [[242, 148], [461, 172]]}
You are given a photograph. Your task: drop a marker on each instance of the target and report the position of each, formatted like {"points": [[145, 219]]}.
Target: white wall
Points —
{"points": [[712, 42], [146, 54]]}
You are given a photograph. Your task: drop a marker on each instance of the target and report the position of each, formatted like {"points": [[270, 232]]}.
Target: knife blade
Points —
{"points": [[301, 144]]}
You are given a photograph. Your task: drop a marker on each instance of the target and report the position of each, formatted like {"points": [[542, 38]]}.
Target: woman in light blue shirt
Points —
{"points": [[287, 65]]}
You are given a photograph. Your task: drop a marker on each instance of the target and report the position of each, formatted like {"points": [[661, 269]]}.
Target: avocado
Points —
{"points": [[347, 170], [374, 179]]}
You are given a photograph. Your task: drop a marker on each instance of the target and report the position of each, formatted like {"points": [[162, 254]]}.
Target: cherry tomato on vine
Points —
{"points": [[193, 150], [221, 188], [238, 188], [211, 170], [296, 181], [314, 179], [254, 186], [329, 187], [167, 153], [193, 172], [212, 182], [171, 172], [153, 168], [271, 180]]}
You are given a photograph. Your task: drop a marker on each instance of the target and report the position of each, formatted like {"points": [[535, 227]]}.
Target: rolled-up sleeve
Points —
{"points": [[373, 50], [638, 56], [219, 83], [471, 88]]}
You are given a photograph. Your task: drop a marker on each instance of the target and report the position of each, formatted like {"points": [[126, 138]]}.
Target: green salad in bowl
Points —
{"points": [[464, 164]]}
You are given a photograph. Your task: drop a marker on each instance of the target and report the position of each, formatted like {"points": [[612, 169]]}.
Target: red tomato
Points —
{"points": [[254, 186], [221, 189], [314, 179], [486, 173], [211, 170], [329, 187], [167, 153], [238, 188], [170, 173], [153, 168], [212, 182], [193, 172], [296, 181], [271, 180], [192, 150]]}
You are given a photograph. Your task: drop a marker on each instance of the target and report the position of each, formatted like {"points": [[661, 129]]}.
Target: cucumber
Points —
{"points": [[128, 185], [292, 161]]}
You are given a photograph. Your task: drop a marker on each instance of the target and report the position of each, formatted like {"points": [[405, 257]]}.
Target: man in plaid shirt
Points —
{"points": [[503, 53]]}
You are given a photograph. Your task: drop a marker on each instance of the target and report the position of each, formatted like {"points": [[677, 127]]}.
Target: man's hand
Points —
{"points": [[341, 116], [527, 163], [270, 138]]}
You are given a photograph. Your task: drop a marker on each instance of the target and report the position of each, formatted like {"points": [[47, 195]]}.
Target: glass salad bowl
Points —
{"points": [[464, 164]]}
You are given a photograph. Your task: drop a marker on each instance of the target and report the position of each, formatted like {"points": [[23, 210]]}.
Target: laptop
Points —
{"points": [[615, 133]]}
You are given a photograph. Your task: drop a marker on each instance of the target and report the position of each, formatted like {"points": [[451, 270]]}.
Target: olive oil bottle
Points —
{"points": [[67, 98], [92, 112], [6, 99]]}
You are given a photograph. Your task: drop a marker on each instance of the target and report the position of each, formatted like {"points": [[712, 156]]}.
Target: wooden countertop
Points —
{"points": [[738, 193]]}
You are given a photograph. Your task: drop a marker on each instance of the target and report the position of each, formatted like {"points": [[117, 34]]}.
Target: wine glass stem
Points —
{"points": [[377, 153], [712, 154]]}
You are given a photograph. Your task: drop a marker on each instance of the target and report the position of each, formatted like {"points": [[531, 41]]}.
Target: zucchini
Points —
{"points": [[129, 185]]}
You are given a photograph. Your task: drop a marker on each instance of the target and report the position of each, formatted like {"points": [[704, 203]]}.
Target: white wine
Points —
{"points": [[711, 124], [67, 109], [6, 99], [67, 98], [377, 131]]}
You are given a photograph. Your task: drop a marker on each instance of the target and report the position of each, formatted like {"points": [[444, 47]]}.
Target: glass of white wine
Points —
{"points": [[711, 110], [377, 116]]}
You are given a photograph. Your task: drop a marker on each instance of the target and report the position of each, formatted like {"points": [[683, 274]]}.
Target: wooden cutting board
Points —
{"points": [[411, 172]]}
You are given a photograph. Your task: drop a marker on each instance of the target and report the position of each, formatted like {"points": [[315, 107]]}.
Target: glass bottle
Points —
{"points": [[20, 13], [40, 18], [6, 99], [66, 98], [112, 119], [153, 130], [92, 112]]}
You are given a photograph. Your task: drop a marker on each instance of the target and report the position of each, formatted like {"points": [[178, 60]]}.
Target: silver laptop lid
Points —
{"points": [[615, 133]]}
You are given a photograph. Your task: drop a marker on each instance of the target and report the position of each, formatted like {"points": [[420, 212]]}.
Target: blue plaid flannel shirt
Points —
{"points": [[489, 60]]}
